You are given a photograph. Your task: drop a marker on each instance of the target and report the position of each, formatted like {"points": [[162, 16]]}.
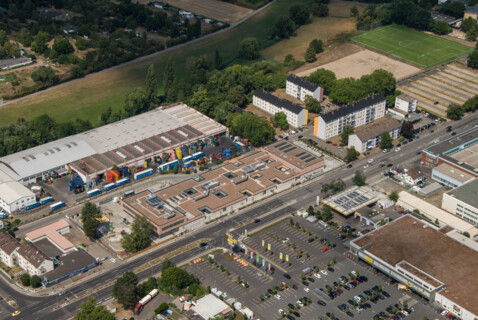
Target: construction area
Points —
{"points": [[436, 89]]}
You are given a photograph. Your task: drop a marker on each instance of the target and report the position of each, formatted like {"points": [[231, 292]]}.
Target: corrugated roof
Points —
{"points": [[377, 129], [353, 107], [301, 82], [285, 104]]}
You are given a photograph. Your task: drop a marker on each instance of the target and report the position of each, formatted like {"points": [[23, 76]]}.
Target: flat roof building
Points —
{"points": [[426, 260], [351, 200], [126, 142], [355, 114], [54, 233], [457, 151], [221, 191], [296, 114], [450, 176], [208, 307], [463, 201], [14, 195]]}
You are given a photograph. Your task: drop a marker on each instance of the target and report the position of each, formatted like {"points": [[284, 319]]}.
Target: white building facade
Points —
{"points": [[463, 202], [368, 139], [355, 114], [406, 103], [296, 115], [299, 88], [33, 261], [8, 249], [13, 195]]}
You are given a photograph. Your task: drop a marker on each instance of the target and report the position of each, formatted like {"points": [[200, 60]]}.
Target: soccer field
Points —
{"points": [[417, 47]]}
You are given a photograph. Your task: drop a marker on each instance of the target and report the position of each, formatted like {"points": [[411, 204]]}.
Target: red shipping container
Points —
{"points": [[112, 176]]}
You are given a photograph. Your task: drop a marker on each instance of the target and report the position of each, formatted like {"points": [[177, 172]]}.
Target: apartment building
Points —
{"points": [[369, 138], [355, 114], [296, 115], [33, 260], [299, 88]]}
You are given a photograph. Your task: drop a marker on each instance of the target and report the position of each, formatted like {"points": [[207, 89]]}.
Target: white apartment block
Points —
{"points": [[355, 114], [299, 88], [8, 249], [406, 103], [369, 138], [296, 115]]}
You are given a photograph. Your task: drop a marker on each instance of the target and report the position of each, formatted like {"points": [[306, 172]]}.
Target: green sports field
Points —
{"points": [[417, 47]]}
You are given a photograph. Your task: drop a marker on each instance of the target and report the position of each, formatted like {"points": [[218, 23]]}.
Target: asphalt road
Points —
{"points": [[289, 201]]}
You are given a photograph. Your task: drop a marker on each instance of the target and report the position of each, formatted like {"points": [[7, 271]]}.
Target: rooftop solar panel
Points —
{"points": [[289, 150], [311, 159], [280, 144], [300, 154]]}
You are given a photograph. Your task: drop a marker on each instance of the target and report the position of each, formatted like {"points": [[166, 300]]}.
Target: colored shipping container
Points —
{"points": [[112, 176]]}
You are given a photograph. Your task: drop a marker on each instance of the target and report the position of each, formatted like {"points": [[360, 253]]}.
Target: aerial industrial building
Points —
{"points": [[224, 190], [463, 202], [124, 143], [427, 260], [459, 153]]}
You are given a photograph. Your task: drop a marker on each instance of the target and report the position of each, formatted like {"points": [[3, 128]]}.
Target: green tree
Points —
{"points": [[320, 10], [125, 290], [25, 279], [167, 264], [90, 218], [344, 135], [312, 104], [283, 28], [454, 111], [441, 27], [63, 46], [76, 72], [471, 104], [289, 61], [385, 140], [25, 37], [310, 55], [217, 60], [257, 130], [174, 280], [237, 96], [280, 121], [162, 307], [466, 234], [222, 111], [170, 76], [140, 236], [472, 60], [44, 76], [35, 281], [393, 196], [351, 154], [455, 9], [136, 102], [299, 13], [407, 129], [317, 45], [249, 49], [468, 24], [39, 42], [151, 84], [90, 310], [471, 34], [359, 178], [323, 78], [354, 11], [3, 37]]}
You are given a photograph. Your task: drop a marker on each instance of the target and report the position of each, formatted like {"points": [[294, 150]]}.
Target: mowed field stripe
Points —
{"points": [[419, 48]]}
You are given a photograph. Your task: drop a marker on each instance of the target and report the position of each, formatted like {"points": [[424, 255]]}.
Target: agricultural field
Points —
{"points": [[215, 9], [419, 48], [87, 98], [251, 4], [325, 29], [366, 62], [435, 90]]}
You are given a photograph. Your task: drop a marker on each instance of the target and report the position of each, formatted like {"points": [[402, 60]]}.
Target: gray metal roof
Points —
{"points": [[467, 193]]}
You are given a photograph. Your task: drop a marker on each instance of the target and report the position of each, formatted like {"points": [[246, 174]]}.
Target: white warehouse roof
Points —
{"points": [[49, 156], [11, 190]]}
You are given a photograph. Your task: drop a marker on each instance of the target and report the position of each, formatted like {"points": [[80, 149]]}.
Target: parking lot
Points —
{"points": [[282, 288]]}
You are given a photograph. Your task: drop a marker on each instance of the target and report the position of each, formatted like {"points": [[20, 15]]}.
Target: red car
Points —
{"points": [[325, 249], [294, 287], [340, 291], [334, 144]]}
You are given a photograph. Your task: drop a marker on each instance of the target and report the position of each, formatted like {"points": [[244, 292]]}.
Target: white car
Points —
{"points": [[405, 313], [370, 161], [285, 240], [324, 272], [306, 289], [113, 260], [280, 311], [398, 149], [299, 303], [278, 296], [317, 276], [444, 312], [366, 166]]}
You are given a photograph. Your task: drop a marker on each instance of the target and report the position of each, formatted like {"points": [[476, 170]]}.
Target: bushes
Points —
{"points": [[25, 279]]}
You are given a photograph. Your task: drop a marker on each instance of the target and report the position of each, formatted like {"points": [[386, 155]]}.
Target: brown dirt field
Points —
{"points": [[365, 62], [218, 10]]}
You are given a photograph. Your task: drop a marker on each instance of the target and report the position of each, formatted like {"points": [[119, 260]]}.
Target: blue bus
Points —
{"points": [[143, 174], [93, 193], [122, 182], [46, 200], [57, 206], [109, 186]]}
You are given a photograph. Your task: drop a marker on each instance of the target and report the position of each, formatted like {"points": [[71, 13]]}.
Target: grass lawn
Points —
{"points": [[87, 98], [417, 47], [324, 29]]}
